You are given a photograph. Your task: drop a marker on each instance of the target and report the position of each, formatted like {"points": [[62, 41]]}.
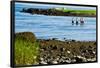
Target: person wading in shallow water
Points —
{"points": [[76, 21], [72, 20], [81, 21]]}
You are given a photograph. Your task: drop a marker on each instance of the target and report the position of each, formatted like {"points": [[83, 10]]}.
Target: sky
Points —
{"points": [[34, 5]]}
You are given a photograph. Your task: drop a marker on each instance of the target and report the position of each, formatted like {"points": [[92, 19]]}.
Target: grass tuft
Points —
{"points": [[26, 51]]}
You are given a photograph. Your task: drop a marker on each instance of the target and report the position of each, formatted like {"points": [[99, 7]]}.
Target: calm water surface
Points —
{"points": [[45, 27]]}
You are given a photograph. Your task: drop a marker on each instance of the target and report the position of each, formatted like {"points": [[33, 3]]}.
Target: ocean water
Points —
{"points": [[46, 27]]}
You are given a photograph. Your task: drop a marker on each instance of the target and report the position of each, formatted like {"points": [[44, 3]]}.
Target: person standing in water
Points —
{"points": [[72, 20], [76, 21], [81, 20]]}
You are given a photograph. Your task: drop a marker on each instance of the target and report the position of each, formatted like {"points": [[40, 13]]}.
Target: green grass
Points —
{"points": [[26, 52], [93, 12], [81, 11]]}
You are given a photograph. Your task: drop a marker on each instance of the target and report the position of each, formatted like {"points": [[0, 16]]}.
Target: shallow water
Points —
{"points": [[60, 27]]}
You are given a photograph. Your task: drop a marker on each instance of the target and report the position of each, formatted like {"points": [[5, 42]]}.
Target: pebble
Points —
{"points": [[88, 59], [73, 60], [68, 52], [54, 62], [94, 52], [41, 59], [93, 59], [84, 59], [68, 61], [43, 62], [79, 56], [57, 59]]}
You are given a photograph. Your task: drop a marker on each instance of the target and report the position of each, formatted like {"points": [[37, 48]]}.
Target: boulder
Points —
{"points": [[28, 36]]}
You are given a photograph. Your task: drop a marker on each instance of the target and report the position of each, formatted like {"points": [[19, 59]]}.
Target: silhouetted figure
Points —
{"points": [[76, 21], [72, 20], [81, 20]]}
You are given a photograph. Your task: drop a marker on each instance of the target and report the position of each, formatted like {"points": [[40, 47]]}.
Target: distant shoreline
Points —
{"points": [[60, 12]]}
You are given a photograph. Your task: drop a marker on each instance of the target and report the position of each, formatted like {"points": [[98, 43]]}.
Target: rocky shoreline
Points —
{"points": [[54, 12], [53, 51], [58, 52]]}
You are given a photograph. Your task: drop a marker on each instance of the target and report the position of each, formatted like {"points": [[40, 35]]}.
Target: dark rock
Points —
{"points": [[54, 38], [55, 47], [47, 40], [44, 49], [62, 49], [54, 62], [90, 51], [50, 46], [68, 42], [78, 60], [90, 47], [95, 43], [73, 40]]}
